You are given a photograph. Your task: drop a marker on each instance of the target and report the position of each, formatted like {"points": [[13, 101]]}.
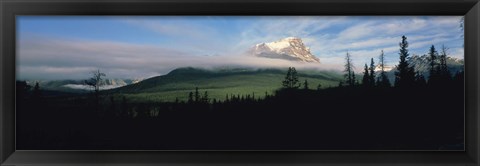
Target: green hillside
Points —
{"points": [[219, 82]]}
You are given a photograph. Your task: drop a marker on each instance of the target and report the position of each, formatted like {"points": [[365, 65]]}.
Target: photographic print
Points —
{"points": [[240, 83]]}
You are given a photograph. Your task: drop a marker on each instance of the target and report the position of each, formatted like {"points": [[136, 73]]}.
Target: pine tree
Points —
{"points": [[205, 97], [305, 84], [405, 74], [372, 73], [366, 77], [382, 80], [36, 91], [190, 97], [226, 98], [433, 67], [197, 95], [286, 81], [291, 79], [349, 73], [444, 72], [420, 80], [354, 79]]}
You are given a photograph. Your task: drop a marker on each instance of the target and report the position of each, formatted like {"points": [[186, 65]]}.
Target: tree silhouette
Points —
{"points": [[36, 91], [22, 88], [305, 84], [366, 77], [190, 97], [349, 73], [291, 79], [382, 80], [420, 80], [319, 86], [205, 97], [405, 74], [433, 66], [96, 82], [372, 73], [444, 73], [197, 95]]}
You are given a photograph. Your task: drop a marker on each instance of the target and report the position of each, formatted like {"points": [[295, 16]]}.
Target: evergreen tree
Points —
{"points": [[420, 80], [305, 84], [22, 89], [372, 73], [405, 74], [366, 77], [190, 97], [291, 79], [319, 86], [349, 73], [197, 95], [36, 91], [205, 97], [354, 79], [433, 66], [432, 54], [383, 79], [226, 98], [444, 72]]}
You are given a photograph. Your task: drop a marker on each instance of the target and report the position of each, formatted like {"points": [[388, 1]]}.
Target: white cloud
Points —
{"points": [[328, 37], [75, 59]]}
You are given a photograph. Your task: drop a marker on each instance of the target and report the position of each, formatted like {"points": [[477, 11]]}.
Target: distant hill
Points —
{"points": [[220, 82], [78, 86]]}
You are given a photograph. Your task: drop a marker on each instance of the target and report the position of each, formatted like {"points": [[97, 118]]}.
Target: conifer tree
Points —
{"points": [[366, 77], [305, 84], [190, 97], [36, 90], [382, 80], [372, 73], [433, 66], [197, 95], [291, 79], [405, 74], [444, 72], [420, 80], [205, 97], [349, 73]]}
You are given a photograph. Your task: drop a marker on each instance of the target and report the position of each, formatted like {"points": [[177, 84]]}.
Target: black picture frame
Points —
{"points": [[9, 9]]}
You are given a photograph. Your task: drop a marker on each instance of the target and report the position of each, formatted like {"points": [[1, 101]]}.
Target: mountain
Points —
{"points": [[219, 83], [79, 85], [421, 64], [290, 48]]}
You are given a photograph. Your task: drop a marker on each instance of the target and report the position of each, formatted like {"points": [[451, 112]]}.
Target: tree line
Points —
{"points": [[405, 74]]}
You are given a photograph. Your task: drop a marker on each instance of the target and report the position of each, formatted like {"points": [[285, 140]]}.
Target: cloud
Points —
{"points": [[44, 58], [198, 43]]}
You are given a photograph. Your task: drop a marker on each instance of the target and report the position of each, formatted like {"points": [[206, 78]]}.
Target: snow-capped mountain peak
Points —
{"points": [[290, 48]]}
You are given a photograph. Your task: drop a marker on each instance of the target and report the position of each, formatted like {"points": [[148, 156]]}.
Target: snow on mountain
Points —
{"points": [[385, 68], [290, 48]]}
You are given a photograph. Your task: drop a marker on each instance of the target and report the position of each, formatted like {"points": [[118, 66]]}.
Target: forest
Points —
{"points": [[364, 111]]}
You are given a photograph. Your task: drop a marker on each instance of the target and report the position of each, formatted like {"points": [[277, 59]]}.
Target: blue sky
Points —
{"points": [[68, 47]]}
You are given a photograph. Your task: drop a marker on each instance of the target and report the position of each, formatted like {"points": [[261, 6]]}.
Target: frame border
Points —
{"points": [[10, 8]]}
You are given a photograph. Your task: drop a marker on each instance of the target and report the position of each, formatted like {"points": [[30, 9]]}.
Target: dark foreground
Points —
{"points": [[331, 119]]}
